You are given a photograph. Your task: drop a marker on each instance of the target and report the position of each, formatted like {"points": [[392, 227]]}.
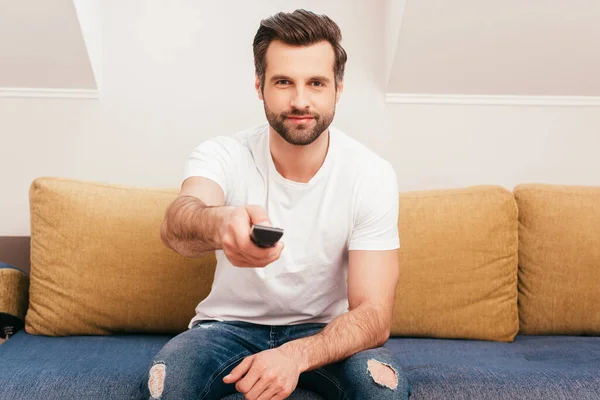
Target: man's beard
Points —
{"points": [[299, 134]]}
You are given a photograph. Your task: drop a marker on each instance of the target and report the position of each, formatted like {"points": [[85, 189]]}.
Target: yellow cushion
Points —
{"points": [[559, 259], [458, 264], [14, 286], [98, 265]]}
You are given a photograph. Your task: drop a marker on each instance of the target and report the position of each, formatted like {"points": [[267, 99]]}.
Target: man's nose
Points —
{"points": [[300, 99]]}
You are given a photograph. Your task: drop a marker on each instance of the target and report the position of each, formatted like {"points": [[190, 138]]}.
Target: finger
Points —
{"points": [[279, 396], [269, 393], [235, 257], [246, 384], [277, 249], [240, 260], [259, 262], [239, 241], [242, 244], [258, 389], [258, 215], [248, 258], [272, 254], [240, 230], [247, 246], [239, 371], [255, 255], [266, 255]]}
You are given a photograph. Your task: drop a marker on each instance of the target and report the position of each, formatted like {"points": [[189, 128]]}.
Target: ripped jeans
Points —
{"points": [[192, 364]]}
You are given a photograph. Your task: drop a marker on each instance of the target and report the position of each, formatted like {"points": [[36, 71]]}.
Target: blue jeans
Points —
{"points": [[192, 364]]}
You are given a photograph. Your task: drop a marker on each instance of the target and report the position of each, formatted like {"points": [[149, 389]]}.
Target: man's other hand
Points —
{"points": [[269, 375], [236, 242]]}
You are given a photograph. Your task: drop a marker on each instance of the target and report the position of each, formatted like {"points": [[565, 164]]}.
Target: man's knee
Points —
{"points": [[383, 374], [388, 380], [375, 374], [166, 380], [156, 380], [179, 373], [170, 373]]}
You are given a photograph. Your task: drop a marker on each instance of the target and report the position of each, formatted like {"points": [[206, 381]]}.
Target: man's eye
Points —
{"points": [[283, 82], [316, 83]]}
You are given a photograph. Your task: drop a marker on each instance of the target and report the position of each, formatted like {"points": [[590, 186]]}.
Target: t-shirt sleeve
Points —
{"points": [[214, 159], [376, 215]]}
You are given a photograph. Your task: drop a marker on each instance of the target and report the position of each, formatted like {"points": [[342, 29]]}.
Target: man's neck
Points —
{"points": [[298, 163]]}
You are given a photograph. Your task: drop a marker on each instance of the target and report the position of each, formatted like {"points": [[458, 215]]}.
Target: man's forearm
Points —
{"points": [[191, 228], [360, 329]]}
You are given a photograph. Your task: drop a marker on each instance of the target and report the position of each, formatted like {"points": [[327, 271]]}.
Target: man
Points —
{"points": [[312, 312]]}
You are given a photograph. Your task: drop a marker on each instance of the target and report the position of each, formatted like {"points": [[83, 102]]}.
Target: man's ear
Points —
{"points": [[340, 89], [258, 88]]}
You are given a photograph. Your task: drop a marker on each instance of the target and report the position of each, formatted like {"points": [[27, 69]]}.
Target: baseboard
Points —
{"points": [[500, 100], [49, 93]]}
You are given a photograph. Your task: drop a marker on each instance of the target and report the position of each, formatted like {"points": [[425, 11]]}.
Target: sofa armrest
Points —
{"points": [[14, 299]]}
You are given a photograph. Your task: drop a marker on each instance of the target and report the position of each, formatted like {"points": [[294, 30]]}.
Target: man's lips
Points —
{"points": [[300, 120]]}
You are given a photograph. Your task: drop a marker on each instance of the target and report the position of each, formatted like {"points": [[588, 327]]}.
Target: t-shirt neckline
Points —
{"points": [[300, 185]]}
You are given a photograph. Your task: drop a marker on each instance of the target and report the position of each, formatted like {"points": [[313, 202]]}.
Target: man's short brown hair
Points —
{"points": [[301, 28]]}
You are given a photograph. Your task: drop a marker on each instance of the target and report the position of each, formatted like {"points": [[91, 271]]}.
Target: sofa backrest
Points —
{"points": [[559, 252], [98, 265], [458, 264]]}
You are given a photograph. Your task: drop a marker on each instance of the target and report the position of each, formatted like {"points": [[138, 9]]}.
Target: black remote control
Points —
{"points": [[265, 236]]}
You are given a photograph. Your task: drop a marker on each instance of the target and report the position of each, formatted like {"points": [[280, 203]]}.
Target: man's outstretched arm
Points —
{"points": [[192, 222], [197, 223]]}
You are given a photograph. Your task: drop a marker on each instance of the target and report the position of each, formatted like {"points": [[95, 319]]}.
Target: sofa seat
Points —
{"points": [[75, 367], [532, 367], [81, 367], [111, 367]]}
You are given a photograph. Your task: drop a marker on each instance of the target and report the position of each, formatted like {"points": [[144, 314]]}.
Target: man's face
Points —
{"points": [[299, 92]]}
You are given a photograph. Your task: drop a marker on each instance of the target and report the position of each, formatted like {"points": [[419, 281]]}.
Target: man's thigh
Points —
{"points": [[369, 374], [193, 363]]}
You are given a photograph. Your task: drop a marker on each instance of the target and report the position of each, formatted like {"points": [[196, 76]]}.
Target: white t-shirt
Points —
{"points": [[350, 204]]}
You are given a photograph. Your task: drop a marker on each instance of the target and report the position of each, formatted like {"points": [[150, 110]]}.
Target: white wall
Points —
{"points": [[444, 146], [41, 45], [177, 72], [173, 74], [508, 47], [393, 19], [89, 13]]}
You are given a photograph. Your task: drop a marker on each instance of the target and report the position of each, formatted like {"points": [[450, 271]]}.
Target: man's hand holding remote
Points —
{"points": [[235, 238]]}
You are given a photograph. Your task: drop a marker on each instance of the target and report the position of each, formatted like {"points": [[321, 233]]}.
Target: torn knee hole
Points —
{"points": [[156, 381], [383, 374]]}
